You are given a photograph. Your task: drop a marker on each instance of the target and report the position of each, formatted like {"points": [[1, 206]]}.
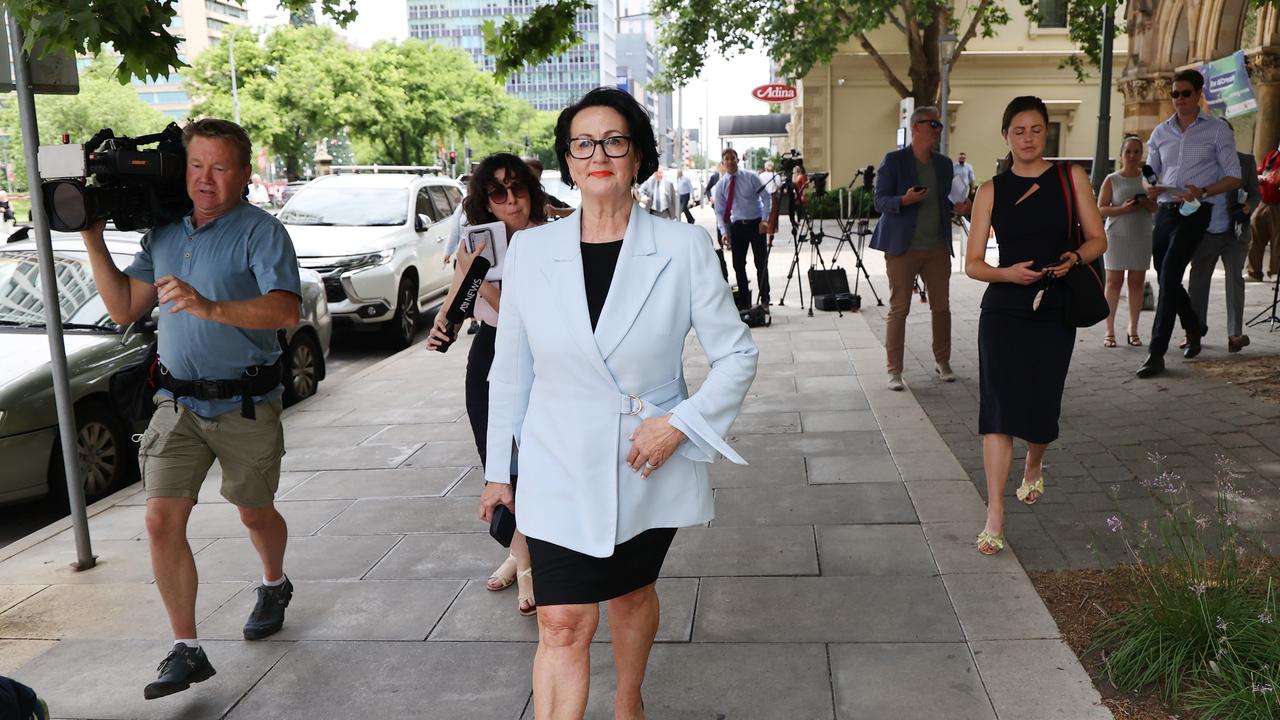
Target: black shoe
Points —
{"points": [[268, 615], [179, 669], [1152, 366], [473, 328], [1193, 347]]}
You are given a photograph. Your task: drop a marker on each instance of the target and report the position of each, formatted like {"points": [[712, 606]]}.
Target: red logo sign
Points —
{"points": [[774, 93]]}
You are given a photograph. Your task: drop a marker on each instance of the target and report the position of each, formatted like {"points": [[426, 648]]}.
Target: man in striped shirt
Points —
{"points": [[1194, 156]]}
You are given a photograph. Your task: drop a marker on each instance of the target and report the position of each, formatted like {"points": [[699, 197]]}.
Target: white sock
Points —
{"points": [[188, 643], [273, 583]]}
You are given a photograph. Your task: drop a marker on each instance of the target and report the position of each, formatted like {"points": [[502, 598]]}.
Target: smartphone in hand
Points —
{"points": [[918, 188]]}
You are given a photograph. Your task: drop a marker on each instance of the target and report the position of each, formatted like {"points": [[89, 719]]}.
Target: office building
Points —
{"points": [[551, 85]]}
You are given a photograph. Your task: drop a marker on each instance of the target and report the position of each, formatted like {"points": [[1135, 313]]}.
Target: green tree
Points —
{"points": [[136, 29], [301, 86], [101, 103]]}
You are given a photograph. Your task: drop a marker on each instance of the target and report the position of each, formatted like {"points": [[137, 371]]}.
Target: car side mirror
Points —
{"points": [[421, 222]]}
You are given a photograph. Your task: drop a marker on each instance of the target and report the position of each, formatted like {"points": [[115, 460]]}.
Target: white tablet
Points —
{"points": [[494, 236]]}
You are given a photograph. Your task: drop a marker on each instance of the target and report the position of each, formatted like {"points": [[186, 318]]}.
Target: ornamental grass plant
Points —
{"points": [[1200, 629]]}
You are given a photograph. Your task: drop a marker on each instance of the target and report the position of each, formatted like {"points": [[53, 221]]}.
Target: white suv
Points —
{"points": [[377, 241]]}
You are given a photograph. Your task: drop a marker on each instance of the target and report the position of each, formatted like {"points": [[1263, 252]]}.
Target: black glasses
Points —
{"points": [[615, 146], [499, 195], [1181, 93], [935, 124]]}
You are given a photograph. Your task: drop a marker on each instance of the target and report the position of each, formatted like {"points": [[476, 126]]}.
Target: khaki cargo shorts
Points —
{"points": [[178, 448]]}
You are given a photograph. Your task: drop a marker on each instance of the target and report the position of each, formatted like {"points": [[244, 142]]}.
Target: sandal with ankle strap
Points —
{"points": [[505, 579], [523, 578], [990, 543], [1135, 341], [1108, 341]]}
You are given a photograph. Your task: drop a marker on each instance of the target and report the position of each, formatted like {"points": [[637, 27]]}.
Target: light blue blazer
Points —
{"points": [[571, 398]]}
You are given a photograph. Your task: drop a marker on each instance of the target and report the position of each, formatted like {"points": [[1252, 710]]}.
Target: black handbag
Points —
{"points": [[1084, 302]]}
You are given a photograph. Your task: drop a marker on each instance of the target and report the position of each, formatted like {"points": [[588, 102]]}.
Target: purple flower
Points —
{"points": [[1114, 524]]}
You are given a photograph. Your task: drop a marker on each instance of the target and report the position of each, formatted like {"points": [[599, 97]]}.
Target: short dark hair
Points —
{"points": [[639, 128], [1021, 104], [218, 129], [484, 178], [726, 151], [1190, 76]]}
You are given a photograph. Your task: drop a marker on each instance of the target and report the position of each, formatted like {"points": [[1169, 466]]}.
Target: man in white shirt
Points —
{"points": [[684, 189], [964, 173], [258, 193]]}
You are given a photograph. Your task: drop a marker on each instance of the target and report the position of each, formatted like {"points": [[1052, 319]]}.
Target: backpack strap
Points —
{"points": [[1069, 191]]}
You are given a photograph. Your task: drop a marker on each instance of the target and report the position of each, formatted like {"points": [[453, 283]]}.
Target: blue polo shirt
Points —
{"points": [[242, 255]]}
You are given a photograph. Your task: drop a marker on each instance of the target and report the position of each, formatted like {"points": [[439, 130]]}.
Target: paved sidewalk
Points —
{"points": [[1111, 422], [839, 579]]}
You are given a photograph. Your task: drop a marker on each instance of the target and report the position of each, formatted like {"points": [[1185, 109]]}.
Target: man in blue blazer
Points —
{"points": [[913, 187]]}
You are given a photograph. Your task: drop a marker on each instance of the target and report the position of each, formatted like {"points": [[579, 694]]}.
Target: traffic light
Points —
{"points": [[453, 156]]}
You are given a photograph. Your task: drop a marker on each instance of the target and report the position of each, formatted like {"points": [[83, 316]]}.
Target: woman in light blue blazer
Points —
{"points": [[588, 380]]}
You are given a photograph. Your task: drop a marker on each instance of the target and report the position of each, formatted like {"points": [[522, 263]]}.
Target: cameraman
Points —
{"points": [[742, 214], [913, 195], [226, 278]]}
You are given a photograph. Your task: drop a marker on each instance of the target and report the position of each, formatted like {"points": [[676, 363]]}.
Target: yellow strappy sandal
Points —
{"points": [[989, 543], [1026, 488]]}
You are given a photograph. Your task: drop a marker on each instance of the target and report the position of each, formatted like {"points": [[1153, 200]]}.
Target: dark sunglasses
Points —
{"points": [[499, 195], [1181, 93], [935, 124]]}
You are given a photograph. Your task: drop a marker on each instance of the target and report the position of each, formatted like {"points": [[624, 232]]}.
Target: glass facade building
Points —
{"points": [[552, 85]]}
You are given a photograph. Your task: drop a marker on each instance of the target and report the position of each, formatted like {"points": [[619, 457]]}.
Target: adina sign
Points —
{"points": [[774, 93]]}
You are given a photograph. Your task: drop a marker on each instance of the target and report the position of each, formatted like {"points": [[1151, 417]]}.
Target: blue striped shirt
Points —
{"points": [[750, 199], [1201, 155]]}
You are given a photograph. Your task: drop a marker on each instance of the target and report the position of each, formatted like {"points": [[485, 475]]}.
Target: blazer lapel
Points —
{"points": [[564, 272], [639, 266]]}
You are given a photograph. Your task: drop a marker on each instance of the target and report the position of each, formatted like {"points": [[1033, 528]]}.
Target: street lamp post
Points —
{"points": [[235, 95], [946, 47]]}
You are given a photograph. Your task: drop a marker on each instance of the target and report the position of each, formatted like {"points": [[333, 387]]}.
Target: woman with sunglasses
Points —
{"points": [[502, 189], [588, 379], [1024, 347]]}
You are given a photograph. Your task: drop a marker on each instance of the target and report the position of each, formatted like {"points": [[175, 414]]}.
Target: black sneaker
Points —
{"points": [[180, 668], [268, 615]]}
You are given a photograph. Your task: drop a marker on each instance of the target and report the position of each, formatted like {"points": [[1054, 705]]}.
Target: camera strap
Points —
{"points": [[255, 381]]}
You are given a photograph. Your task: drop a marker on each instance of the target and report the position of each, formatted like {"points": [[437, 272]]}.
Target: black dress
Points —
{"points": [[566, 577], [1024, 354]]}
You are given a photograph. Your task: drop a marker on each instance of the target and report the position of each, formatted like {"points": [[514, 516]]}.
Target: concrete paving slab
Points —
{"points": [[809, 444], [445, 453], [915, 440], [947, 500], [471, 484], [109, 677], [304, 517], [735, 680], [854, 609], [421, 432], [404, 416], [307, 418], [999, 607], [955, 550], [117, 523], [401, 516], [103, 612], [853, 550], [346, 458], [485, 616], [908, 681], [940, 465], [440, 556], [765, 472], [814, 505], [400, 610], [760, 423], [347, 436], [870, 467], [833, 384], [426, 681], [49, 563], [1062, 688], [742, 551], [396, 482], [320, 557], [805, 401], [11, 595], [839, 421], [16, 653]]}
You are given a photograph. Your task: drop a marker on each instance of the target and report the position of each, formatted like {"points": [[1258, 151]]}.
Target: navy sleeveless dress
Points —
{"points": [[1024, 354]]}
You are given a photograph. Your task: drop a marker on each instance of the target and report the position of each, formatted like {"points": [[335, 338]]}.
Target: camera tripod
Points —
{"points": [[1268, 315], [855, 220]]}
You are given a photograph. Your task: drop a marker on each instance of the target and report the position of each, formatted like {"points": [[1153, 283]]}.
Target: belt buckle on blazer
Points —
{"points": [[630, 405]]}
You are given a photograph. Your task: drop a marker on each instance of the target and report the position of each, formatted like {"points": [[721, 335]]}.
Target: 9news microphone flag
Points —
{"points": [[463, 305]]}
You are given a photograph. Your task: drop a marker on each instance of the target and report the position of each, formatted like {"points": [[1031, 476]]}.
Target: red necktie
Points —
{"points": [[728, 206]]}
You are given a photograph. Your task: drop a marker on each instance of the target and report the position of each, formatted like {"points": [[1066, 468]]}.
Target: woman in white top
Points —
{"points": [[502, 189], [1123, 202]]}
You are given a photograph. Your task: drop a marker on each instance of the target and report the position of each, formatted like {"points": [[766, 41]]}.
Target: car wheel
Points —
{"points": [[104, 451], [303, 366], [402, 326]]}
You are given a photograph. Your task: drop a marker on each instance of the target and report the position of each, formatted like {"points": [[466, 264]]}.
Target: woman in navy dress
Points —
{"points": [[1024, 347]]}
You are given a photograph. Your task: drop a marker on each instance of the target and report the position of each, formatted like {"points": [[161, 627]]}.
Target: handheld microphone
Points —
{"points": [[1149, 174], [464, 302]]}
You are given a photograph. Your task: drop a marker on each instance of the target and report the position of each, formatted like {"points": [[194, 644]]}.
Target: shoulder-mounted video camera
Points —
{"points": [[110, 178]]}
